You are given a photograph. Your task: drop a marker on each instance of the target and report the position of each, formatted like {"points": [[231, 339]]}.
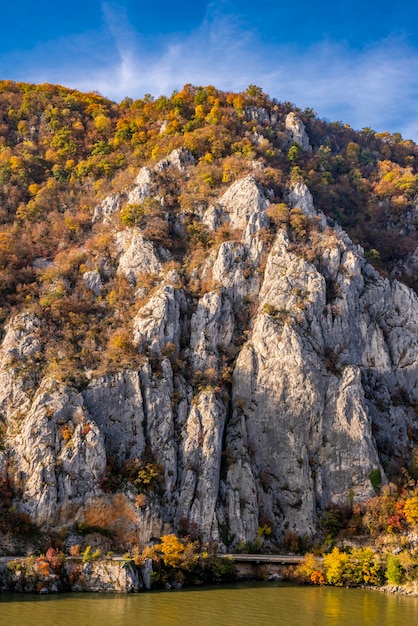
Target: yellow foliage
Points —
{"points": [[72, 223], [265, 530], [78, 125], [120, 340], [214, 114], [364, 567], [299, 223], [307, 567], [67, 432], [395, 180], [199, 111], [102, 123], [208, 158], [238, 103], [112, 297], [410, 509], [335, 565], [29, 211], [171, 549], [16, 163], [50, 155], [279, 213], [33, 189]]}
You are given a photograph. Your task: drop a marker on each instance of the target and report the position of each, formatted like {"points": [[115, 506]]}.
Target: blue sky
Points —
{"points": [[352, 61]]}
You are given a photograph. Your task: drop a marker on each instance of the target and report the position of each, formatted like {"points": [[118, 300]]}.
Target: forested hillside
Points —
{"points": [[62, 151], [208, 315]]}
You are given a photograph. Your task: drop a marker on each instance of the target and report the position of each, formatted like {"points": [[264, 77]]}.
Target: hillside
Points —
{"points": [[209, 322]]}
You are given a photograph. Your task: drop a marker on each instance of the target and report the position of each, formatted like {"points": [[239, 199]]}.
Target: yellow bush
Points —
{"points": [[171, 549], [309, 569], [335, 565], [410, 509]]}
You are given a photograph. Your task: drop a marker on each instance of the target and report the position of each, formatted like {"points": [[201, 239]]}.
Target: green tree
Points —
{"points": [[393, 570]]}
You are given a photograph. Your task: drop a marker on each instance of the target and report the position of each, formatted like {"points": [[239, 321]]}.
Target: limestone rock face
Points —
{"points": [[300, 197], [295, 130], [142, 186], [104, 211], [158, 322], [108, 576], [244, 205], [212, 327], [21, 340], [178, 159], [93, 281], [103, 575], [273, 383], [261, 115], [115, 404], [202, 454], [137, 256], [409, 266], [58, 455]]}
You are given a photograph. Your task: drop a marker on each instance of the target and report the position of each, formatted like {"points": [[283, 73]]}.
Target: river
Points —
{"points": [[255, 604]]}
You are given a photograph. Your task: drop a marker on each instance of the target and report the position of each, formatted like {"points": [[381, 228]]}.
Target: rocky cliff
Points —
{"points": [[262, 379], [31, 575]]}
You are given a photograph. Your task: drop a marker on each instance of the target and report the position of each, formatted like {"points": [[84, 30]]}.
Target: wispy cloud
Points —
{"points": [[376, 87]]}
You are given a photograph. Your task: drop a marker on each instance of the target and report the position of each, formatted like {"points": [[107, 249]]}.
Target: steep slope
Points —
{"points": [[280, 388], [204, 350]]}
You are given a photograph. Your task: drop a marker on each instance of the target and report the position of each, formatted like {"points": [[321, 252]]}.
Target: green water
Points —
{"points": [[238, 605]]}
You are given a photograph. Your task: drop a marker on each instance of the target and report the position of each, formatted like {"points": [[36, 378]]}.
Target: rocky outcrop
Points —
{"points": [[137, 256], [234, 267], [280, 384], [93, 281], [180, 159], [260, 115], [114, 402], [21, 341], [158, 322], [300, 197], [202, 455], [109, 206], [142, 186], [296, 132], [107, 576], [38, 575], [57, 453], [212, 329], [242, 206]]}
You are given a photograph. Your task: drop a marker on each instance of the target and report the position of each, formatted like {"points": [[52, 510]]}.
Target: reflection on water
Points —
{"points": [[243, 604]]}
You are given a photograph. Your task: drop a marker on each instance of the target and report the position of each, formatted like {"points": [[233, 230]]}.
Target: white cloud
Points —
{"points": [[376, 87]]}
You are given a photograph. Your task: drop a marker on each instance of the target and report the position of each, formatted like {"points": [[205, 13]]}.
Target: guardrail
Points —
{"points": [[280, 559]]}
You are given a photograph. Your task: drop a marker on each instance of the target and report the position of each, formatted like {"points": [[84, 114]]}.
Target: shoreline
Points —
{"points": [[402, 590], [120, 575], [74, 574]]}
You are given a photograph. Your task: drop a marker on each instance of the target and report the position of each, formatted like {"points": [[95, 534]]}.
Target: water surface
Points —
{"points": [[253, 604]]}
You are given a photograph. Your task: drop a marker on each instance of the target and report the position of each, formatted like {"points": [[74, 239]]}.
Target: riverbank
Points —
{"points": [[404, 590], [169, 564], [360, 567], [55, 574]]}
